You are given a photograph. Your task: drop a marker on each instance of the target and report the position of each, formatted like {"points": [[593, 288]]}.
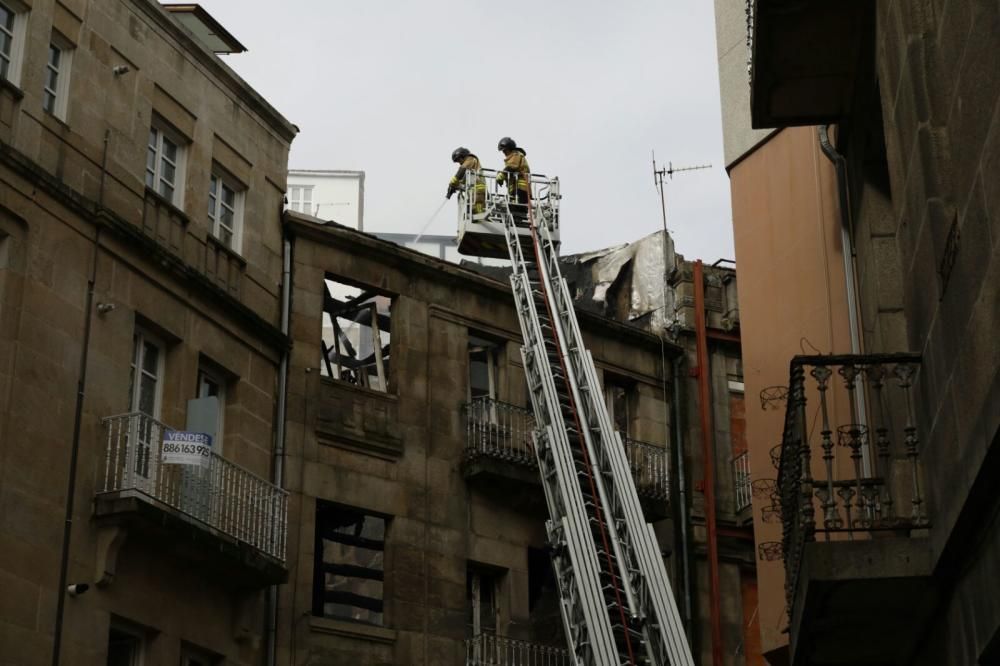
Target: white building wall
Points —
{"points": [[334, 195]]}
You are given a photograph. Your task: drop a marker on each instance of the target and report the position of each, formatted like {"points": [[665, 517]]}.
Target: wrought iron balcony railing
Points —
{"points": [[850, 454], [499, 430], [502, 431], [220, 494], [648, 463], [487, 650], [741, 481]]}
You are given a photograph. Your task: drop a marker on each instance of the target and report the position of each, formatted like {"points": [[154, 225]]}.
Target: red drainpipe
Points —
{"points": [[708, 453]]}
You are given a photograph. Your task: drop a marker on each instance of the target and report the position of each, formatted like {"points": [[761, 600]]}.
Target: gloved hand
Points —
{"points": [[500, 178], [451, 191]]}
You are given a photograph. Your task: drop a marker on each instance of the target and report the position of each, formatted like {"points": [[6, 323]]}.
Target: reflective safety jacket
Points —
{"points": [[470, 163], [515, 167]]}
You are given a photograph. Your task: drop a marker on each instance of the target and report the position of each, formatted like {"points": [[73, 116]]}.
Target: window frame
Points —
{"points": [[492, 350], [64, 71], [208, 374], [321, 566], [165, 133], [139, 338], [224, 180], [628, 390], [17, 32], [296, 203]]}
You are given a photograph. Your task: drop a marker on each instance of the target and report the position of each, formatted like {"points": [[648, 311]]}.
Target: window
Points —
{"points": [[482, 587], [124, 648], [144, 391], [356, 335], [146, 371], [12, 25], [300, 198], [211, 384], [165, 164], [483, 368], [617, 395], [225, 210], [57, 69], [349, 564]]}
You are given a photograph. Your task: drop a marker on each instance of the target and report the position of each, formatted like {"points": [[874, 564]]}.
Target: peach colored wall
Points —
{"points": [[791, 290]]}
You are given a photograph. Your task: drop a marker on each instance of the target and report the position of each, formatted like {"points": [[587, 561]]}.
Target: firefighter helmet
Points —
{"points": [[506, 143], [459, 154]]}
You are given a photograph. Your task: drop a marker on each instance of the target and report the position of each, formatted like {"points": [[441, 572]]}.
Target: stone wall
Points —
{"points": [[59, 227], [940, 95], [440, 522]]}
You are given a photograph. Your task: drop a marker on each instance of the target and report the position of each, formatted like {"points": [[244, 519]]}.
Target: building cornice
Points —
{"points": [[90, 211], [395, 255]]}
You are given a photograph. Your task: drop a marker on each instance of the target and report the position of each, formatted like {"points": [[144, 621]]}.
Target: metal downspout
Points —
{"points": [[682, 502], [708, 452], [846, 230], [279, 440]]}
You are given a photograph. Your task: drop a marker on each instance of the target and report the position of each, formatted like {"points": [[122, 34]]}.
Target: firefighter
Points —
{"points": [[467, 162], [515, 170]]}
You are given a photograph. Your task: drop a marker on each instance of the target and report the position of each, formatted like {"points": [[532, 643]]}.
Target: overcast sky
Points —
{"points": [[587, 88]]}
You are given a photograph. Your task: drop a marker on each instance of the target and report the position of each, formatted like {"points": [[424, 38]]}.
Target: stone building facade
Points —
{"points": [[418, 518], [901, 187], [141, 185]]}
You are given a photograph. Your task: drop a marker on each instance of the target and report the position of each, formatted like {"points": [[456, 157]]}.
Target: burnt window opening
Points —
{"points": [[619, 396], [357, 330], [349, 564], [482, 594]]}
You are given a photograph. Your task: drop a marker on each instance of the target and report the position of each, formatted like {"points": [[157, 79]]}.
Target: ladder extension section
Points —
{"points": [[617, 605]]}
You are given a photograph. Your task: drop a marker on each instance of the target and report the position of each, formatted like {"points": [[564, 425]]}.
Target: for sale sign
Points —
{"points": [[186, 448]]}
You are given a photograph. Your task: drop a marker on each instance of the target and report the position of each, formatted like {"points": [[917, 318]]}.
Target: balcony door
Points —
{"points": [[144, 393]]}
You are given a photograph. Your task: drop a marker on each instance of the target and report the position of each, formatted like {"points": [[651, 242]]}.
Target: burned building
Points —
{"points": [[416, 509]]}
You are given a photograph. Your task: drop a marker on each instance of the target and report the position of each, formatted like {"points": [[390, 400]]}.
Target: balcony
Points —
{"points": [[498, 446], [857, 563], [806, 58], [487, 650], [235, 513]]}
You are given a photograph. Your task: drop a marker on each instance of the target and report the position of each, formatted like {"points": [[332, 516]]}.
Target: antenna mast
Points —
{"points": [[669, 171]]}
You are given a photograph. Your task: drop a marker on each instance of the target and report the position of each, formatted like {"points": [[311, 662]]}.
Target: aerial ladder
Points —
{"points": [[615, 597]]}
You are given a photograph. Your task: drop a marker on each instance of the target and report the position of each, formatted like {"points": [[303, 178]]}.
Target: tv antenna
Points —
{"points": [[669, 171]]}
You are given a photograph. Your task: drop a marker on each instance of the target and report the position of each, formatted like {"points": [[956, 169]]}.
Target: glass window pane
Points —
{"points": [[48, 101], [226, 218], [54, 55], [5, 42], [213, 184], [166, 191], [169, 149], [228, 196], [6, 18], [152, 139], [150, 358], [168, 171], [226, 236], [147, 395]]}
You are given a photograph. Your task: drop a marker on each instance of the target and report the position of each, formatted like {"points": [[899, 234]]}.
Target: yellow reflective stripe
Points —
{"points": [[454, 181]]}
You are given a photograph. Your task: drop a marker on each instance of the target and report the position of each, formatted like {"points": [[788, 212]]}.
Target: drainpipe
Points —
{"points": [[279, 440], [708, 452], [681, 512], [74, 452], [846, 230]]}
